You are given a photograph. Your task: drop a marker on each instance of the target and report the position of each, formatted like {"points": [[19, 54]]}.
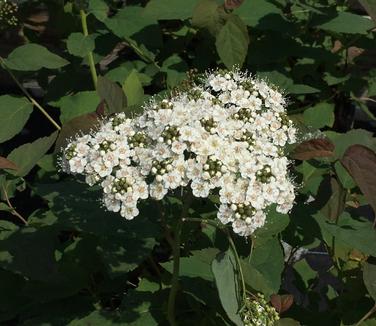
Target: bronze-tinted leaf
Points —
{"points": [[360, 162], [78, 125], [233, 4], [282, 303], [101, 108], [112, 94], [6, 164], [313, 148]]}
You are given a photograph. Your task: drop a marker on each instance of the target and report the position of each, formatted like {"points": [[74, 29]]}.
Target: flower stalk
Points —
{"points": [[175, 245], [29, 97], [90, 55]]}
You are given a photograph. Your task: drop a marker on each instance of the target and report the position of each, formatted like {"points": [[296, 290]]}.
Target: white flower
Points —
{"points": [[226, 135]]}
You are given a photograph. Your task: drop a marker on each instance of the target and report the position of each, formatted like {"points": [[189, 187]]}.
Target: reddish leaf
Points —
{"points": [[101, 108], [281, 303], [77, 126], [313, 148], [360, 162], [233, 4], [6, 164]]}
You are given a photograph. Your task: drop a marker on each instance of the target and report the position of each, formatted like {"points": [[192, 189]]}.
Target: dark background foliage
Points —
{"points": [[65, 261]]}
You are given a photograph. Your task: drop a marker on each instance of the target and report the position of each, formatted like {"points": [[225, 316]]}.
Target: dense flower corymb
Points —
{"points": [[226, 134]]}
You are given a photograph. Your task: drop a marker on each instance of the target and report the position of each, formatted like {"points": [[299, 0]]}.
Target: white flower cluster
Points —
{"points": [[225, 135]]}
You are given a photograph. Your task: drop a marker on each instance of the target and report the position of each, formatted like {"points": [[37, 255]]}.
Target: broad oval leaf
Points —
{"points": [[320, 115], [282, 303], [112, 94], [226, 279], [360, 162], [370, 7], [133, 89], [75, 105], [80, 45], [170, 9], [32, 57], [99, 9], [206, 15], [27, 155], [313, 148], [348, 23], [14, 113], [369, 277], [232, 42], [7, 164], [78, 125]]}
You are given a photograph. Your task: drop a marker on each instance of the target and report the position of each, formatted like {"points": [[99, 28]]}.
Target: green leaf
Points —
{"points": [[112, 94], [305, 271], [226, 279], [263, 271], [348, 23], [319, 116], [176, 68], [75, 105], [275, 223], [123, 245], [302, 89], [370, 7], [129, 21], [99, 9], [206, 15], [287, 322], [80, 45], [32, 57], [14, 113], [357, 234], [6, 228], [352, 137], [133, 89], [137, 309], [344, 177], [197, 265], [170, 9], [369, 277], [277, 78], [232, 42], [27, 155], [253, 11]]}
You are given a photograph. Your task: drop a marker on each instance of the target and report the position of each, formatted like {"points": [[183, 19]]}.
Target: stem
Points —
{"points": [[13, 210], [368, 314], [232, 246], [238, 262], [90, 55], [175, 244], [30, 98]]}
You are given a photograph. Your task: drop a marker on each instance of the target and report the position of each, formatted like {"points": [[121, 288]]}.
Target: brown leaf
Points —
{"points": [[233, 4], [6, 164], [282, 303], [101, 108], [77, 126], [360, 162], [313, 148]]}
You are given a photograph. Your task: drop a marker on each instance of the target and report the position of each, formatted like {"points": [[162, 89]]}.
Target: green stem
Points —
{"points": [[90, 55], [238, 262], [175, 245], [29, 97], [232, 246], [368, 314]]}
